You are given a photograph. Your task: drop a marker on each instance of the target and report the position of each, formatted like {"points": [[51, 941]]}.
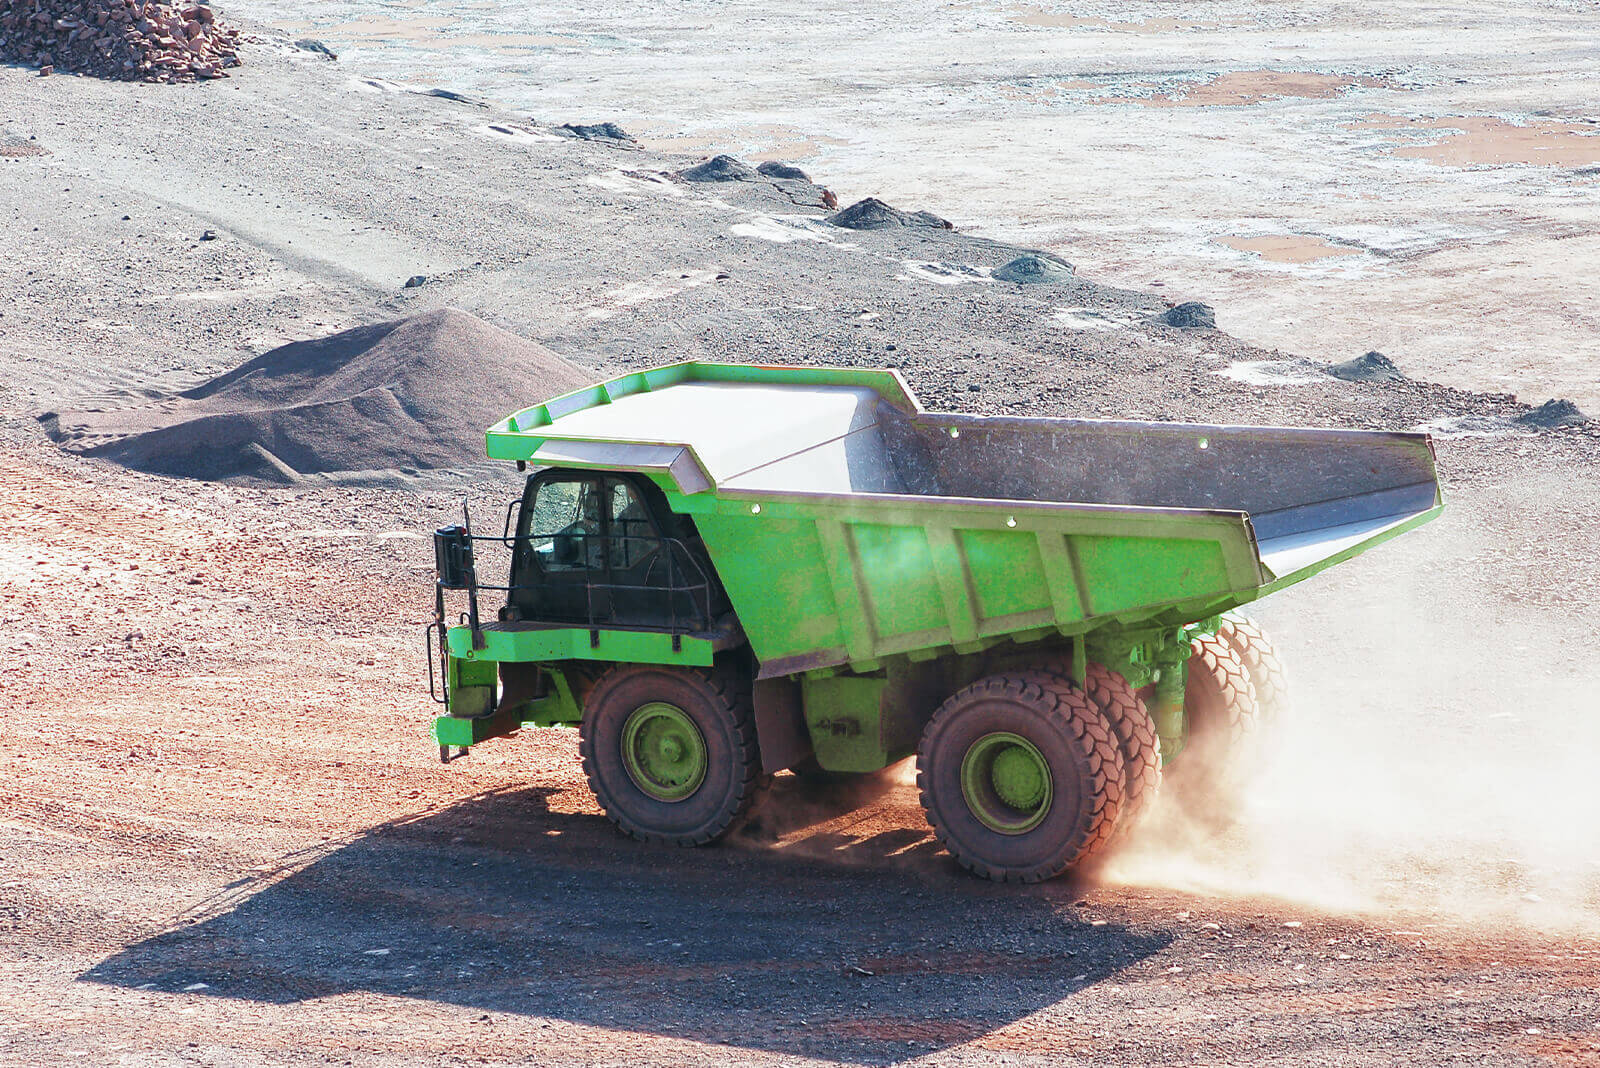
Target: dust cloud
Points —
{"points": [[1435, 767]]}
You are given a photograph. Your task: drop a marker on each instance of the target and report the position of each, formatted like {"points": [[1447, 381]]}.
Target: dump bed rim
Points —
{"points": [[902, 396]]}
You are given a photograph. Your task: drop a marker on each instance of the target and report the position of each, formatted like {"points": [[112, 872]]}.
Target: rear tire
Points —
{"points": [[1262, 664], [1219, 704], [671, 752], [1141, 746], [1219, 700], [1135, 728], [1020, 776]]}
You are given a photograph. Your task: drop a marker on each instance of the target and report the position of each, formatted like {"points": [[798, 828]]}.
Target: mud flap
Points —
{"points": [[780, 725]]}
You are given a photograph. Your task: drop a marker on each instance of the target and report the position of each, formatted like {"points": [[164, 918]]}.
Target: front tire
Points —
{"points": [[671, 753], [1020, 776]]}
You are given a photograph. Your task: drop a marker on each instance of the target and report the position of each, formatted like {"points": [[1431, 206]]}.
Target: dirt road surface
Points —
{"points": [[228, 842], [225, 838]]}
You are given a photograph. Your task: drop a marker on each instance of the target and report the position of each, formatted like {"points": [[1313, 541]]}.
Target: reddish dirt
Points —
{"points": [[219, 775]]}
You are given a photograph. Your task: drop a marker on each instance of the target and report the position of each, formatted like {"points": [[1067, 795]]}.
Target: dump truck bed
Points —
{"points": [[849, 524]]}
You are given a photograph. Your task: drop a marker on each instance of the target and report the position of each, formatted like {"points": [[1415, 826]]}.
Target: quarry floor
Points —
{"points": [[226, 838]]}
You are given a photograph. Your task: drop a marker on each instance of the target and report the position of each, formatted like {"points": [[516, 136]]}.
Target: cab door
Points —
{"points": [[558, 568], [592, 548]]}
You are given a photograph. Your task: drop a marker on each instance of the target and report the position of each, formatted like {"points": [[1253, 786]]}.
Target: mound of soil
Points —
{"points": [[1552, 414], [873, 214], [1033, 270], [131, 40], [773, 169], [1373, 367], [718, 169], [376, 400], [1191, 315]]}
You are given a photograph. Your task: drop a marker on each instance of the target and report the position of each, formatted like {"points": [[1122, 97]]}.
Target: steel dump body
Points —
{"points": [[848, 525]]}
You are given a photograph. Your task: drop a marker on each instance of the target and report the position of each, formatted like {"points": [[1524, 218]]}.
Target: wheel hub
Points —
{"points": [[1006, 783], [1018, 778], [663, 751]]}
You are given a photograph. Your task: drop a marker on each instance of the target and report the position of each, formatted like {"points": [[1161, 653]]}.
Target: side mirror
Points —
{"points": [[452, 557]]}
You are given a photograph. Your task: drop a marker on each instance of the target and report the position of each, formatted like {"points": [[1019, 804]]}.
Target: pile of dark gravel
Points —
{"points": [[124, 39], [719, 169], [1372, 367], [1190, 315], [372, 403], [873, 214]]}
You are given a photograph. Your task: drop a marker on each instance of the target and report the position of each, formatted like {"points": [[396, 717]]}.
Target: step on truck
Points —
{"points": [[720, 572]]}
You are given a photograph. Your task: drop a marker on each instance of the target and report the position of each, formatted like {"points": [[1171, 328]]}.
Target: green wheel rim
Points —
{"points": [[664, 751], [1006, 783]]}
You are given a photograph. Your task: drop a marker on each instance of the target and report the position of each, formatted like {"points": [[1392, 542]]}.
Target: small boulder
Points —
{"points": [[718, 169], [1552, 414], [416, 281], [1033, 269], [1190, 315], [873, 214], [774, 169], [1373, 367]]}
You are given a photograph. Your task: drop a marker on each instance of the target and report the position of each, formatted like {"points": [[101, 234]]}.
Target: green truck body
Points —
{"points": [[870, 557]]}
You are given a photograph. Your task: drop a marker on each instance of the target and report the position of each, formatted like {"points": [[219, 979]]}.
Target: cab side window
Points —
{"points": [[565, 526]]}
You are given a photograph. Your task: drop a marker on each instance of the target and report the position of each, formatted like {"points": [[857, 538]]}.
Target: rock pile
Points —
{"points": [[131, 40], [1552, 414], [873, 214], [1373, 367], [787, 171], [1190, 315], [598, 131], [1033, 269], [719, 169]]}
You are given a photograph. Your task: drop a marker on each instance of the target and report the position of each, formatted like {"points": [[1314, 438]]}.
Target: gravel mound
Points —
{"points": [[1552, 414], [874, 214], [1033, 270], [774, 169], [1191, 315], [123, 39], [372, 403], [1373, 367], [719, 169]]}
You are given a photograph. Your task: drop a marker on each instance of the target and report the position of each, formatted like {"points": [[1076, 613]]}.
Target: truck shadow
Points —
{"points": [[502, 905]]}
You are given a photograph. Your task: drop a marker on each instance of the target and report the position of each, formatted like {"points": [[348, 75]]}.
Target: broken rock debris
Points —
{"points": [[129, 40]]}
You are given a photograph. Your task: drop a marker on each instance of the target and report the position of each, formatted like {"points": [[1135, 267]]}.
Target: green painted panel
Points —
{"points": [[897, 565], [540, 646], [471, 687], [1007, 571], [1123, 573], [843, 715], [775, 574], [450, 730]]}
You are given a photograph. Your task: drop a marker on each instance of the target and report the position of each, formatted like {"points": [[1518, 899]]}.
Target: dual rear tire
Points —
{"points": [[1024, 775]]}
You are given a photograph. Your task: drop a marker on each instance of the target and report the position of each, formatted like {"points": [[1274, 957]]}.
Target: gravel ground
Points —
{"points": [[216, 723]]}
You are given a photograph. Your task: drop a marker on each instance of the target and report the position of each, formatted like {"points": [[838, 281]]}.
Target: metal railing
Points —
{"points": [[685, 580]]}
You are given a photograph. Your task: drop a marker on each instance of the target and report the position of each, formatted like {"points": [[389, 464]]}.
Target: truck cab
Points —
{"points": [[602, 549]]}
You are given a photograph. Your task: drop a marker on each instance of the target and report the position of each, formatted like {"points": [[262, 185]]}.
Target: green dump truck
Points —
{"points": [[719, 572]]}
